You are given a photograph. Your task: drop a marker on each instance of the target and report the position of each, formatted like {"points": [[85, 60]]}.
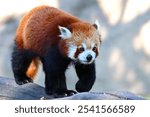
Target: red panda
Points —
{"points": [[57, 39]]}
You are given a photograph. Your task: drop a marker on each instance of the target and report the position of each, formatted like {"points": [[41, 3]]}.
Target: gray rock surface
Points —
{"points": [[10, 90]]}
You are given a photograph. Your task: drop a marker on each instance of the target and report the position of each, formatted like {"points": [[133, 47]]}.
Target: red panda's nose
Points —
{"points": [[89, 58]]}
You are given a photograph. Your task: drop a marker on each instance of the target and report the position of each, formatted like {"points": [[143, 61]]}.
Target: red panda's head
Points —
{"points": [[81, 41]]}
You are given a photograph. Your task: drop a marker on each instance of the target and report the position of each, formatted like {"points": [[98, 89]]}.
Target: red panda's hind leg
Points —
{"points": [[20, 62]]}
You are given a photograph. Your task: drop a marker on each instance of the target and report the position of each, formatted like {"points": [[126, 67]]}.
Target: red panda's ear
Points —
{"points": [[97, 25], [65, 33]]}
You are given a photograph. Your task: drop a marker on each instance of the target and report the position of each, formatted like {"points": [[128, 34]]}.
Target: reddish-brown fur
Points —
{"points": [[41, 23], [39, 30]]}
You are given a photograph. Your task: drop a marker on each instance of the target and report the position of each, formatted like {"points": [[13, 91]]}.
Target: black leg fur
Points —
{"points": [[86, 74], [55, 65], [20, 63]]}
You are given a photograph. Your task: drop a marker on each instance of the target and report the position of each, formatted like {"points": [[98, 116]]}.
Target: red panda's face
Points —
{"points": [[82, 43]]}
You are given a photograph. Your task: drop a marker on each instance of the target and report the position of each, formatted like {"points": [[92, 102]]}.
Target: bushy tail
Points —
{"points": [[33, 68]]}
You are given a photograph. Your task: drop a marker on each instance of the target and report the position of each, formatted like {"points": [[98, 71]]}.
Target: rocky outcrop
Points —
{"points": [[31, 91]]}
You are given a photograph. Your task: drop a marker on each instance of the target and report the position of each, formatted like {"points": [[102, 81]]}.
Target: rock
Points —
{"points": [[31, 91]]}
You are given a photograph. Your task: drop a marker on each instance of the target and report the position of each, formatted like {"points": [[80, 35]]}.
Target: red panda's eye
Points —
{"points": [[81, 49], [94, 48]]}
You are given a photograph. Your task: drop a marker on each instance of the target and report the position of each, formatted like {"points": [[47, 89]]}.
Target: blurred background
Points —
{"points": [[124, 61]]}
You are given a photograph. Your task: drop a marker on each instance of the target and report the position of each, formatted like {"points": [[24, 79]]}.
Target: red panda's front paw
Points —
{"points": [[63, 93], [23, 81], [70, 92]]}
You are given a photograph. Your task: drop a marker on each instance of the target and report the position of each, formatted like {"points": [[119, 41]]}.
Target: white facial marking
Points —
{"points": [[72, 50], [64, 32], [92, 45], [84, 45], [83, 56]]}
